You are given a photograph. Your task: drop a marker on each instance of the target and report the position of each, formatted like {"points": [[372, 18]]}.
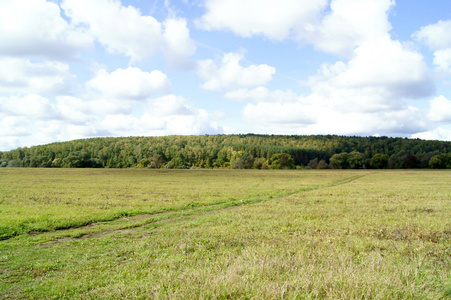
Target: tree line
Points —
{"points": [[235, 151]]}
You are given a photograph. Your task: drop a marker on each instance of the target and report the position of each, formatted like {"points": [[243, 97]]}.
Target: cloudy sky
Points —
{"points": [[72, 69]]}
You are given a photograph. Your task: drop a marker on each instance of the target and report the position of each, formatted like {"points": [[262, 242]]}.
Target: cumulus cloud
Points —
{"points": [[230, 74], [344, 27], [380, 74], [261, 94], [13, 127], [130, 84], [349, 24], [173, 114], [279, 113], [28, 120], [165, 115], [31, 106], [77, 111], [19, 76], [434, 134], [170, 105], [368, 92], [363, 96], [33, 120], [36, 28], [310, 116], [178, 45], [440, 109], [274, 19], [437, 37], [442, 59], [19, 130], [124, 30]]}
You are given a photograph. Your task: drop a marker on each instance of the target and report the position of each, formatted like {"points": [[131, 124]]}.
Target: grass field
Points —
{"points": [[224, 234]]}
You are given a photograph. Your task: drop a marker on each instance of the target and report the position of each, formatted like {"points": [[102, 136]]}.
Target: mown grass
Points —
{"points": [[312, 235]]}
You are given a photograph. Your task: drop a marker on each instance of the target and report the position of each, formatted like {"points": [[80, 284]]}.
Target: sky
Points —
{"points": [[72, 69]]}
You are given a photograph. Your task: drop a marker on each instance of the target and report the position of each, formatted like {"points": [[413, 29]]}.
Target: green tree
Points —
{"points": [[176, 163], [244, 162], [156, 161], [398, 160], [379, 161], [260, 163], [282, 161], [339, 161], [322, 165], [438, 161], [81, 159], [144, 163], [313, 164], [355, 160], [411, 161], [14, 164]]}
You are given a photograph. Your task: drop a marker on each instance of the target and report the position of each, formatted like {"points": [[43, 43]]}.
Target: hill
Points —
{"points": [[235, 151]]}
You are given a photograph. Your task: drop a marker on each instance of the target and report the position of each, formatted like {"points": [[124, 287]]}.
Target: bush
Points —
{"points": [[379, 161], [282, 161]]}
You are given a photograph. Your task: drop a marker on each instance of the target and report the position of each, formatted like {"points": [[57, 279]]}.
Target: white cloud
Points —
{"points": [[434, 134], [170, 105], [440, 110], [21, 76], [13, 127], [121, 29], [380, 74], [130, 84], [39, 121], [124, 30], [18, 131], [36, 28], [401, 122], [363, 96], [31, 106], [274, 19], [229, 74], [173, 114], [121, 124], [279, 113], [442, 58], [436, 36], [79, 112], [162, 116], [178, 44], [310, 116], [384, 62], [349, 24], [165, 115], [28, 120], [261, 93]]}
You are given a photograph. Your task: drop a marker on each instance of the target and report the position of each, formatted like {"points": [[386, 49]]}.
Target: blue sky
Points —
{"points": [[74, 69]]}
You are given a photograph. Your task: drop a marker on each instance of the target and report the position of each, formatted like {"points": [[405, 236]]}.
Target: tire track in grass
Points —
{"points": [[101, 229]]}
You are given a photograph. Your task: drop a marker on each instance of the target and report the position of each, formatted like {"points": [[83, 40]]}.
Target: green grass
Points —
{"points": [[225, 234], [50, 199]]}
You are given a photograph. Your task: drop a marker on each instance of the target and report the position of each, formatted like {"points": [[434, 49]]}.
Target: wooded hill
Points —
{"points": [[235, 151]]}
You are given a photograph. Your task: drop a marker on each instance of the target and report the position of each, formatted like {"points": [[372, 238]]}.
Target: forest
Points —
{"points": [[247, 151]]}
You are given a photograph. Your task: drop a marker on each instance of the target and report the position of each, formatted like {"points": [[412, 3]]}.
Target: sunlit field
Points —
{"points": [[224, 234]]}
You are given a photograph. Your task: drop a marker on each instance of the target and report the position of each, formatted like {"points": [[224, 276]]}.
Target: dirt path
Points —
{"points": [[160, 219]]}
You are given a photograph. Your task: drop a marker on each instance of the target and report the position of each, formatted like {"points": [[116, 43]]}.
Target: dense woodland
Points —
{"points": [[235, 151]]}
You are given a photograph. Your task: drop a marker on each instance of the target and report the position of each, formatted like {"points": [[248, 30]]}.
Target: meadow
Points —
{"points": [[224, 234]]}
